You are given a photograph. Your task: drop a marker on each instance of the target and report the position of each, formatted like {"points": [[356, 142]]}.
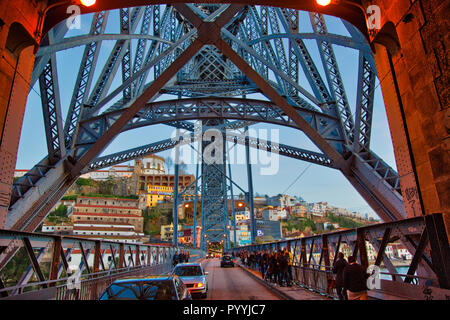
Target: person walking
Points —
{"points": [[175, 259], [290, 260], [181, 257], [276, 267], [355, 278], [338, 269], [264, 262], [186, 258], [284, 259]]}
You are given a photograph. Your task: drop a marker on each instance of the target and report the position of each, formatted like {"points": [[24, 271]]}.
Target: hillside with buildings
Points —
{"points": [[134, 203]]}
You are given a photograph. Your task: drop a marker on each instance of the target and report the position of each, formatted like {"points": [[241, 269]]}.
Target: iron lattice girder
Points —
{"points": [[51, 108], [135, 153], [333, 76], [193, 109], [365, 102], [241, 47], [85, 75], [214, 187]]}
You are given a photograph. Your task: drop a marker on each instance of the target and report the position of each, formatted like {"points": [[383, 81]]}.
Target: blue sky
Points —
{"points": [[316, 184]]}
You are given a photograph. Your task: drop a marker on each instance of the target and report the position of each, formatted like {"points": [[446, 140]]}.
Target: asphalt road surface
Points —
{"points": [[233, 284]]}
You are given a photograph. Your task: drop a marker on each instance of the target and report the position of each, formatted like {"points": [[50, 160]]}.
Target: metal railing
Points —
{"points": [[90, 277], [314, 256]]}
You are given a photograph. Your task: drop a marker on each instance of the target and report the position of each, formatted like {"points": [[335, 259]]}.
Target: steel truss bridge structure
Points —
{"points": [[210, 57]]}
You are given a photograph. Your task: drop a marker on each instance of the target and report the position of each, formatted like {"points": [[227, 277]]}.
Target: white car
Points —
{"points": [[194, 278]]}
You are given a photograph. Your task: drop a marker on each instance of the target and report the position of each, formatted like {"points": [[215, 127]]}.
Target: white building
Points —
{"points": [[318, 209], [242, 215], [274, 214], [281, 200], [19, 173], [119, 171]]}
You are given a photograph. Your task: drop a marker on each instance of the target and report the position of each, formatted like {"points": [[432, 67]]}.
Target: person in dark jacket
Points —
{"points": [[175, 259], [355, 278], [274, 270], [284, 260], [181, 257], [338, 270]]}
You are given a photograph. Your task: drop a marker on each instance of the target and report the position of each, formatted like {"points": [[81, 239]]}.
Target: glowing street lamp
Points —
{"points": [[186, 205], [88, 3], [323, 3]]}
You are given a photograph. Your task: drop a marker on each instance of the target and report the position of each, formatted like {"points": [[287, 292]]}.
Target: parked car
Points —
{"points": [[194, 277], [161, 287], [226, 261]]}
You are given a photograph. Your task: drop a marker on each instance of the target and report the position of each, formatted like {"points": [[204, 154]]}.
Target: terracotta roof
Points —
{"points": [[105, 206], [101, 222], [116, 215], [123, 199], [77, 228], [106, 237]]}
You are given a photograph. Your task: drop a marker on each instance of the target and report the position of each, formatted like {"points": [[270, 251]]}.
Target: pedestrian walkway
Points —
{"points": [[288, 293]]}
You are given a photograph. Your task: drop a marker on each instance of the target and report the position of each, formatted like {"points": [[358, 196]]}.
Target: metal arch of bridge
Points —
{"points": [[252, 56]]}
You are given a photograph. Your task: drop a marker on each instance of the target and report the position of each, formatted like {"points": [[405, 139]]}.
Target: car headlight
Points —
{"points": [[199, 285]]}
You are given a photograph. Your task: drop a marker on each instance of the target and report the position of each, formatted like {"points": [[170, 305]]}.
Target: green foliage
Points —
{"points": [[85, 182], [300, 224], [99, 195], [106, 186], [12, 272], [260, 240], [58, 215], [344, 222], [70, 197]]}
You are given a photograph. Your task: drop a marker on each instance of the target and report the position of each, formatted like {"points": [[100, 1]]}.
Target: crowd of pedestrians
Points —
{"points": [[275, 267], [180, 257]]}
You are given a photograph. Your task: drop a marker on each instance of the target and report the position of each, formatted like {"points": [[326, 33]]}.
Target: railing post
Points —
{"points": [[97, 255], [55, 260], [121, 256], [361, 245], [440, 250], [34, 261], [138, 256], [149, 253]]}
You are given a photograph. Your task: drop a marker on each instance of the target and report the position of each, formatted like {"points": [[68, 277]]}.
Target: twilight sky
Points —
{"points": [[316, 184]]}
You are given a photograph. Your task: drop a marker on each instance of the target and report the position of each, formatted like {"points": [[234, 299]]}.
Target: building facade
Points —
{"points": [[109, 210], [118, 171]]}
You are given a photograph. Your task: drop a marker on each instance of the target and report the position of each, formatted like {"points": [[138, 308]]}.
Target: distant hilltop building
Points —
{"points": [[154, 184], [118, 171], [113, 219], [281, 200], [150, 165], [18, 173]]}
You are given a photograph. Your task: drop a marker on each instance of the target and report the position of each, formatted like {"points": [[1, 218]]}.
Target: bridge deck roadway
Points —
{"points": [[233, 284], [242, 284]]}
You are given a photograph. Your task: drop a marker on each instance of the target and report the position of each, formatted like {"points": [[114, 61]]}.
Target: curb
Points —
{"points": [[278, 292]]}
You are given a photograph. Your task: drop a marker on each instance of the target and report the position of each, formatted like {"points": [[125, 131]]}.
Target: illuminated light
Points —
{"points": [[199, 285], [88, 3], [323, 3], [186, 205], [240, 204]]}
